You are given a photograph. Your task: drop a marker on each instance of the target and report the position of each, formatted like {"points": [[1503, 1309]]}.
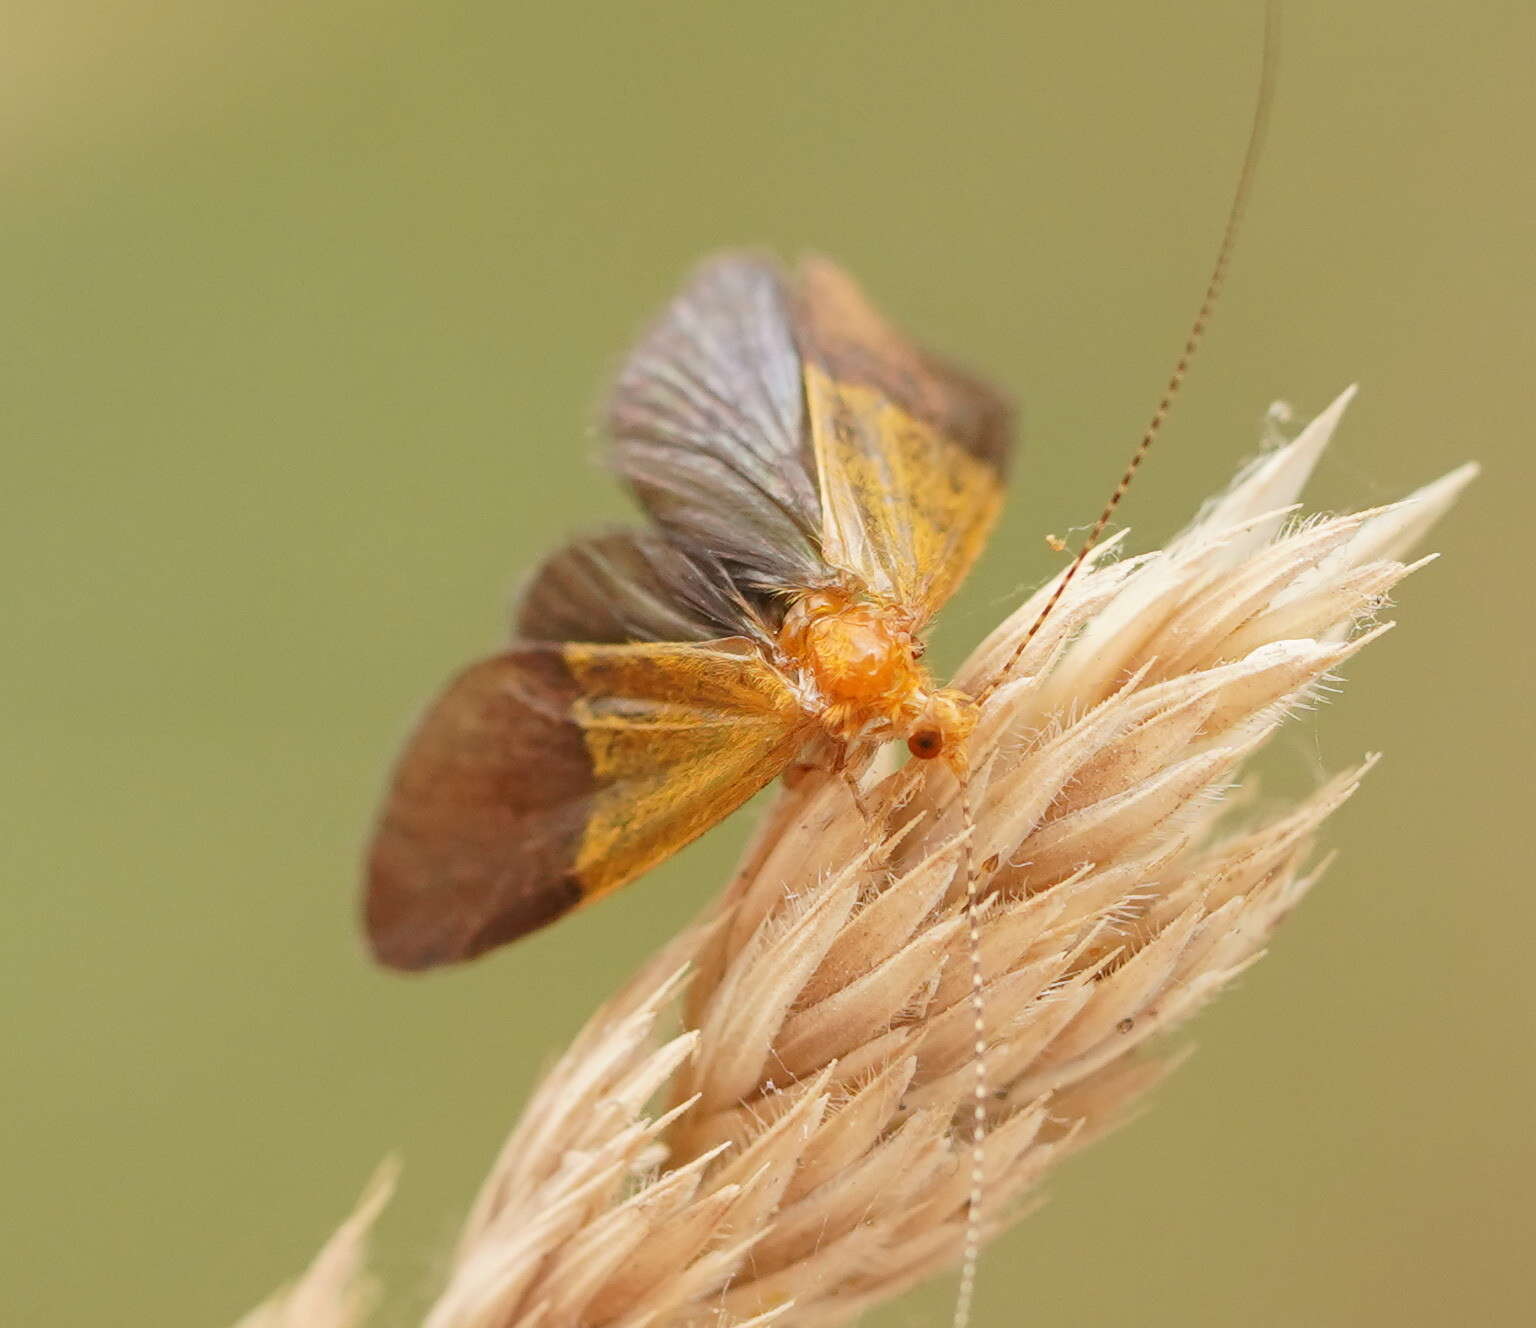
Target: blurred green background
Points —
{"points": [[306, 309]]}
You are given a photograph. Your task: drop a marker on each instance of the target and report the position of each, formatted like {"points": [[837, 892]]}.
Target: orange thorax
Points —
{"points": [[861, 657]]}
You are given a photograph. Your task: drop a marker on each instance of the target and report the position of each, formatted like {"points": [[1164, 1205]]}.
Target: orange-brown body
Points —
{"points": [[858, 658]]}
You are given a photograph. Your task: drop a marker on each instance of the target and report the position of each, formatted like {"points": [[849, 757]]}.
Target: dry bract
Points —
{"points": [[335, 1290], [800, 1151]]}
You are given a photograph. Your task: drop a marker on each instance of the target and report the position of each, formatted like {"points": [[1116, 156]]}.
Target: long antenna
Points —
{"points": [[971, 1255], [1213, 287], [976, 1190]]}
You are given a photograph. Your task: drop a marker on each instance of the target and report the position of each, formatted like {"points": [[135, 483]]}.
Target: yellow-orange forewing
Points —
{"points": [[909, 451], [546, 777]]}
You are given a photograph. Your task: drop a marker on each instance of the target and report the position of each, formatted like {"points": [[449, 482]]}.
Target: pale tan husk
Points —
{"points": [[798, 1152]]}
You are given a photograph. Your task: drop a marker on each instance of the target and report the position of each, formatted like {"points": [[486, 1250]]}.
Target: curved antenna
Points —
{"points": [[971, 1255], [976, 1190], [1213, 287]]}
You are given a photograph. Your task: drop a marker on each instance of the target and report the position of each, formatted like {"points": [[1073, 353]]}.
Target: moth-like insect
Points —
{"points": [[817, 486]]}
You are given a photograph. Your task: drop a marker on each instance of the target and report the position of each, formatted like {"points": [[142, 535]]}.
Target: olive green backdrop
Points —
{"points": [[304, 308]]}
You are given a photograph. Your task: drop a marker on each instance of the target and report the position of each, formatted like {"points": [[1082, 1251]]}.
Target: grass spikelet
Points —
{"points": [[770, 1123]]}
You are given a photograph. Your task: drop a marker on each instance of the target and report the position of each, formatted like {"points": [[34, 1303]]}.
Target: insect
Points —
{"points": [[817, 486]]}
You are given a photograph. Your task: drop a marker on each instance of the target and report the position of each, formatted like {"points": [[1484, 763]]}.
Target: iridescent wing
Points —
{"points": [[628, 586], [550, 775], [709, 428]]}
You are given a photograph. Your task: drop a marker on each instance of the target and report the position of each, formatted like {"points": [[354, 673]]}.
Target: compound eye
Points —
{"points": [[925, 744]]}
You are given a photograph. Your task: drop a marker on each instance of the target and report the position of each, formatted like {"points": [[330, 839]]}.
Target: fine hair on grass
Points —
{"points": [[771, 1121]]}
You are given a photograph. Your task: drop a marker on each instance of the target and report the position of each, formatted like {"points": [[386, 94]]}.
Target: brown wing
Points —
{"points": [[910, 452], [629, 586], [709, 428], [550, 775]]}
